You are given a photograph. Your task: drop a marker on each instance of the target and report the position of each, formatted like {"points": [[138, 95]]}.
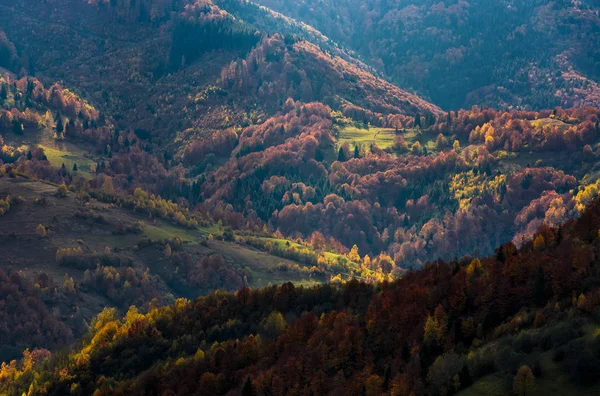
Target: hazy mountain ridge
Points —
{"points": [[467, 53]]}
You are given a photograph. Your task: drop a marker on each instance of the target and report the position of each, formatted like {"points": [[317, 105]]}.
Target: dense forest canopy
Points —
{"points": [[277, 197], [435, 331], [534, 54]]}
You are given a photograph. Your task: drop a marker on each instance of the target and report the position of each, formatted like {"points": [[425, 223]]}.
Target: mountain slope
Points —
{"points": [[142, 66], [434, 331], [503, 54], [431, 193]]}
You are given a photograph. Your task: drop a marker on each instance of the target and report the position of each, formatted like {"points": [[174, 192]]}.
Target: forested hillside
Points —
{"points": [[432, 193], [527, 54], [269, 133], [227, 197], [523, 320]]}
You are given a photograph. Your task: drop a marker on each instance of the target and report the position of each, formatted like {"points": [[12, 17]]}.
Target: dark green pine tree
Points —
{"points": [[17, 127], [341, 155], [3, 92], [319, 155], [30, 88], [387, 376], [75, 167], [29, 156], [356, 152], [59, 124], [418, 120], [69, 127], [247, 388]]}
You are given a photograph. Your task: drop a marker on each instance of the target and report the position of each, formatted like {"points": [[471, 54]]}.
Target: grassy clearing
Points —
{"points": [[261, 266], [383, 137], [213, 229], [262, 277], [58, 152], [489, 385], [283, 243], [513, 162], [57, 157], [550, 122], [167, 231], [554, 381]]}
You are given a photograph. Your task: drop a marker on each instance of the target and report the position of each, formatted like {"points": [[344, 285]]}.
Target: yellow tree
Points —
{"points": [[416, 148], [432, 330], [367, 261], [62, 190], [273, 325], [581, 301], [539, 242], [107, 186], [524, 382], [40, 231], [69, 285], [456, 145], [353, 255]]}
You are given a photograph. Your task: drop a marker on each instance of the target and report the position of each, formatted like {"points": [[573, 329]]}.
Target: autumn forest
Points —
{"points": [[358, 197]]}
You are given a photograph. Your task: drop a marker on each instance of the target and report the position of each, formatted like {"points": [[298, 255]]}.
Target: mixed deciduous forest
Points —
{"points": [[515, 318], [524, 54], [226, 197]]}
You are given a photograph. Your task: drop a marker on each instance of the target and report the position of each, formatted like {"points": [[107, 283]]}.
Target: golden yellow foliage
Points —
{"points": [[337, 279], [416, 148], [62, 190], [69, 285], [4, 205], [473, 266], [466, 186], [581, 300], [40, 231], [539, 242], [353, 255], [524, 382], [456, 146], [107, 186], [586, 195]]}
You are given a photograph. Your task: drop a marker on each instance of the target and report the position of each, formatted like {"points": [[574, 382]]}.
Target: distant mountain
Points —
{"points": [[154, 67], [507, 54]]}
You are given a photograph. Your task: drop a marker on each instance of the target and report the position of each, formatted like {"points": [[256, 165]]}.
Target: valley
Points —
{"points": [[265, 198]]}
